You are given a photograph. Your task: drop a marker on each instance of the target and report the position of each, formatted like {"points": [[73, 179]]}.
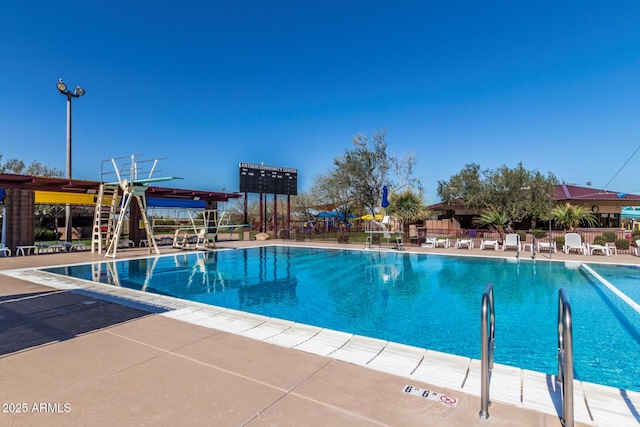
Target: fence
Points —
{"points": [[322, 232]]}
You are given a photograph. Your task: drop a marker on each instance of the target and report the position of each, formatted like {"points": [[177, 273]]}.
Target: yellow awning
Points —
{"points": [[60, 198]]}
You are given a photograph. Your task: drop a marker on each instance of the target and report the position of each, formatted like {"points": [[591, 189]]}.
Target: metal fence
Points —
{"points": [[322, 232]]}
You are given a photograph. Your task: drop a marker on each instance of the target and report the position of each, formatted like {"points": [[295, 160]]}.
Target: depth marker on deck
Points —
{"points": [[431, 395]]}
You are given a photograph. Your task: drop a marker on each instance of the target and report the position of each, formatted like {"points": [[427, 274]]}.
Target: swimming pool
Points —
{"points": [[424, 300]]}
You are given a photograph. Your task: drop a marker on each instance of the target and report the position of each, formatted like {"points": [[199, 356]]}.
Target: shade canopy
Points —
{"points": [[334, 214], [369, 217]]}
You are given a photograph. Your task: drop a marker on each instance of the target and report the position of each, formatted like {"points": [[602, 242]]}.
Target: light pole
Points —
{"points": [[78, 92]]}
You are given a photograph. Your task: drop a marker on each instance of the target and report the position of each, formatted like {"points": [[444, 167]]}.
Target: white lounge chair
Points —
{"points": [[544, 246], [573, 242], [442, 242], [467, 243], [636, 250], [603, 249], [79, 246], [489, 244], [512, 241], [430, 242], [126, 243], [434, 242], [5, 251]]}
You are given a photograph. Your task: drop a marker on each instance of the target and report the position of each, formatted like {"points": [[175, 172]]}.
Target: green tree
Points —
{"points": [[361, 172], [46, 220], [493, 219], [570, 216], [329, 194], [408, 205], [515, 192], [18, 167]]}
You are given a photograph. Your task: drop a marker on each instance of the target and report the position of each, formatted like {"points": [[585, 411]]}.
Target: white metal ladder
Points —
{"points": [[104, 217]]}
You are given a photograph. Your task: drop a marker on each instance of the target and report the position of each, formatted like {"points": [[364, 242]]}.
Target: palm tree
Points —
{"points": [[408, 205], [493, 219], [570, 216]]}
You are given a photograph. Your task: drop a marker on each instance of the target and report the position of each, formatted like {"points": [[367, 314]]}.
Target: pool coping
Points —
{"points": [[594, 404]]}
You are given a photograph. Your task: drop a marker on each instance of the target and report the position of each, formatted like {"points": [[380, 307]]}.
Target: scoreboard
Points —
{"points": [[268, 179]]}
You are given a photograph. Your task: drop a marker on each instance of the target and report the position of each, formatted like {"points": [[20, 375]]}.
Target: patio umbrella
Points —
{"points": [[385, 201], [369, 217]]}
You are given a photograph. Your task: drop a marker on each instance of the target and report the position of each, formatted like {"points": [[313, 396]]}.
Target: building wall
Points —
{"points": [[20, 218]]}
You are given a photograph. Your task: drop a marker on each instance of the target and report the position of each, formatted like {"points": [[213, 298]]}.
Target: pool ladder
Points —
{"points": [[565, 354], [487, 340], [565, 357]]}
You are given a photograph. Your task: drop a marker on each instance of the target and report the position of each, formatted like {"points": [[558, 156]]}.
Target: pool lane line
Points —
{"points": [[613, 289]]}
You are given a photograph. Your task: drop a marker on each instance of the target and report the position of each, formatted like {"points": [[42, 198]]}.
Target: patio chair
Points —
{"points": [[434, 242], [512, 241], [603, 249], [5, 251], [636, 250], [573, 242], [79, 246], [442, 242], [126, 243], [544, 246], [467, 243], [489, 244], [430, 242]]}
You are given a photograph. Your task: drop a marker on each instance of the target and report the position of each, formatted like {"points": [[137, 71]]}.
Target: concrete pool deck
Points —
{"points": [[77, 354]]}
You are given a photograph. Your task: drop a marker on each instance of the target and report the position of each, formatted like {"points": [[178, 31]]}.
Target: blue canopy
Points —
{"points": [[331, 214], [334, 214]]}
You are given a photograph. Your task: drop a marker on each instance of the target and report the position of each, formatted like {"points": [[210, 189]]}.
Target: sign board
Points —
{"points": [[268, 179]]}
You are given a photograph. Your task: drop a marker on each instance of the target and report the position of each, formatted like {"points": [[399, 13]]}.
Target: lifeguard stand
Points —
{"points": [[114, 199]]}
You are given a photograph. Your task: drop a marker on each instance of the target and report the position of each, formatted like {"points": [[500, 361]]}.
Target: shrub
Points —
{"points": [[539, 234], [523, 235], [559, 241], [610, 236], [343, 239], [600, 240], [635, 235], [622, 244]]}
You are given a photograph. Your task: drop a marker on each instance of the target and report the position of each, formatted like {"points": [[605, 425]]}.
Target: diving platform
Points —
{"points": [[132, 179]]}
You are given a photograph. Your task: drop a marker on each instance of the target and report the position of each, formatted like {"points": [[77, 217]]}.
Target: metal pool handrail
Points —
{"points": [[487, 346], [565, 357]]}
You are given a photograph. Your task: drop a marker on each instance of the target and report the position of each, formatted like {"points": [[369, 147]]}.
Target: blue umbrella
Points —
{"points": [[385, 202]]}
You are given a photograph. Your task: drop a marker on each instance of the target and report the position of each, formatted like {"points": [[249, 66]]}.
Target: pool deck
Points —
{"points": [[78, 354]]}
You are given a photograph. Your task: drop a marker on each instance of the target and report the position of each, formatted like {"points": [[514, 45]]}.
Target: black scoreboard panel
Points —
{"points": [[268, 179]]}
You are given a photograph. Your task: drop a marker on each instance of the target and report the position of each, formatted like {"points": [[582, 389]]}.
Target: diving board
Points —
{"points": [[114, 200]]}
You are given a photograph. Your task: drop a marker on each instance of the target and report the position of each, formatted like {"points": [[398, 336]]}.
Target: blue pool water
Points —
{"points": [[423, 300]]}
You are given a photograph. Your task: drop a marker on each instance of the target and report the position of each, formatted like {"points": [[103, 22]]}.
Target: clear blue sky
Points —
{"points": [[210, 84]]}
